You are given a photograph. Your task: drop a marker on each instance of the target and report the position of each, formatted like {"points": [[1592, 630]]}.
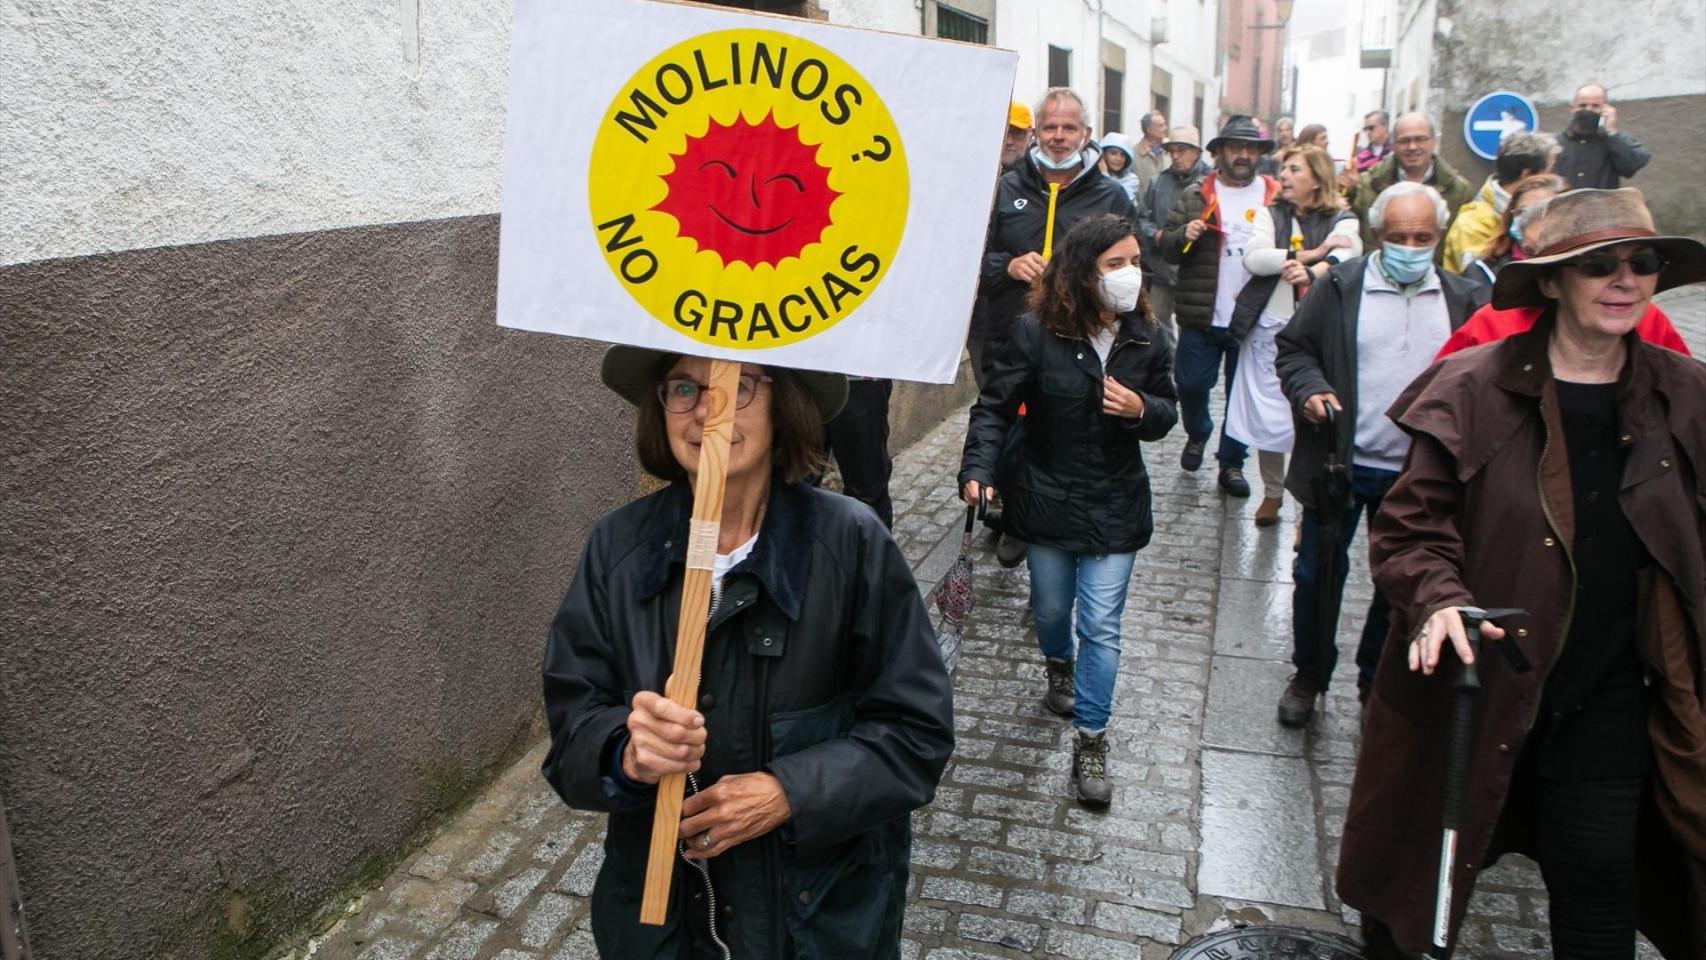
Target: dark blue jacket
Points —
{"points": [[820, 667]]}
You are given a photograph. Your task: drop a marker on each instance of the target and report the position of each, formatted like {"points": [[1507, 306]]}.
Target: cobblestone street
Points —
{"points": [[1220, 816]]}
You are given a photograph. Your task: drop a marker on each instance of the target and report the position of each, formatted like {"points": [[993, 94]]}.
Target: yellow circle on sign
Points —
{"points": [[748, 188]]}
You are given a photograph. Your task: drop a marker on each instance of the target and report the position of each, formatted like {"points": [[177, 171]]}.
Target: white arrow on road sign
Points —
{"points": [[1506, 125]]}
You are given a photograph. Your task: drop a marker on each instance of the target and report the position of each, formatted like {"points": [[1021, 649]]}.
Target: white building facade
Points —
{"points": [[1328, 83], [1123, 56]]}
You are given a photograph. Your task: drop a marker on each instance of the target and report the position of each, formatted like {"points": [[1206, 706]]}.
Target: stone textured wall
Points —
{"points": [[1651, 64], [1673, 128]]}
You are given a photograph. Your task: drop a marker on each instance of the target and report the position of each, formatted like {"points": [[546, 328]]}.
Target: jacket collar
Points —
{"points": [[781, 560], [1129, 328], [1527, 370]]}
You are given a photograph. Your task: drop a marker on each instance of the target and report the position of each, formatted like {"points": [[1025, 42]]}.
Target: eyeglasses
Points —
{"points": [[681, 395], [1599, 265]]}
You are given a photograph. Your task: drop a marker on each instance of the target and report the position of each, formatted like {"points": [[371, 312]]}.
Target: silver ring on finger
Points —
{"points": [[705, 840]]}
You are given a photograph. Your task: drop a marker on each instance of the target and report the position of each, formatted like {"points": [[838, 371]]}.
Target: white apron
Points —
{"points": [[1257, 413]]}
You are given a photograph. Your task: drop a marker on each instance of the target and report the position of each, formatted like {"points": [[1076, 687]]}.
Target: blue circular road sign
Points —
{"points": [[1495, 117]]}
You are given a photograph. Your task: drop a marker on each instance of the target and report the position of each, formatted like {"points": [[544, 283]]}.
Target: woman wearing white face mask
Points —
{"points": [[1096, 378]]}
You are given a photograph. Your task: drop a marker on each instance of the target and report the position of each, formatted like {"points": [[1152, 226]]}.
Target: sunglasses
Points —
{"points": [[681, 395], [1599, 265]]}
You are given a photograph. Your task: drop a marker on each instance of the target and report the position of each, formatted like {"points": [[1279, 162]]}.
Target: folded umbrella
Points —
{"points": [[1457, 767], [953, 595], [1331, 489]]}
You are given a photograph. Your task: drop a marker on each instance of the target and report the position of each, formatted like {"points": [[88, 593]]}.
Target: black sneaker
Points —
{"points": [[1009, 551], [1059, 698], [1232, 481], [1191, 459], [1090, 769]]}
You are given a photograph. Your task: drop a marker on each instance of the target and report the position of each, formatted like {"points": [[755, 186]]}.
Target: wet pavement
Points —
{"points": [[1221, 817]]}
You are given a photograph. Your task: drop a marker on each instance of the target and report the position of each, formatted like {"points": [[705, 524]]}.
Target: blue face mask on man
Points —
{"points": [[1406, 265], [1047, 162]]}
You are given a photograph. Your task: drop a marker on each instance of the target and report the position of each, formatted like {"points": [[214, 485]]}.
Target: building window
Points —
{"points": [[1161, 93], [954, 24], [1113, 99], [1059, 67], [1198, 106]]}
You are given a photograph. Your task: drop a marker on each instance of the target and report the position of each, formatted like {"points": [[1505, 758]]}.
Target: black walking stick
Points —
{"points": [[1457, 767]]}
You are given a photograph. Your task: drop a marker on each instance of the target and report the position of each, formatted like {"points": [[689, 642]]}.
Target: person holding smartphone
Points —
{"points": [[1595, 153]]}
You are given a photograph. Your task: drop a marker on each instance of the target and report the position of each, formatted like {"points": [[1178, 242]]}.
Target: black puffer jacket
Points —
{"points": [[821, 668], [1158, 202], [1199, 270], [1081, 484], [1018, 223]]}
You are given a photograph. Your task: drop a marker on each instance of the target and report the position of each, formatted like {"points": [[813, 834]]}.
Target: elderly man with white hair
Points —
{"points": [[1367, 328]]}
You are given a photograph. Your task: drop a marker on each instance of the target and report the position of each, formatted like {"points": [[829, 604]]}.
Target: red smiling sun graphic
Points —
{"points": [[750, 192]]}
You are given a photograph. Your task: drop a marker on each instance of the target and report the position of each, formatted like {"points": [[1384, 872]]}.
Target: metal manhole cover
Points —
{"points": [[1265, 942]]}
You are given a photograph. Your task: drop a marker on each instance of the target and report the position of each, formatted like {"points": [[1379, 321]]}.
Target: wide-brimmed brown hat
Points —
{"points": [[1583, 221], [633, 372]]}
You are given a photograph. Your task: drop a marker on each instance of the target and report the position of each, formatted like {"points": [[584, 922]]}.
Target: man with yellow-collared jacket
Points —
{"points": [[1063, 155]]}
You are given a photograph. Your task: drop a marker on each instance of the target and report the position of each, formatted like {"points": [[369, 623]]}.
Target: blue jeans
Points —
{"points": [[1098, 585], [1197, 363], [1310, 613]]}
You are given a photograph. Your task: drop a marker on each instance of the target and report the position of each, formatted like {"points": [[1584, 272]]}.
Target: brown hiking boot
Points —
{"points": [[1090, 769], [1059, 698], [1268, 513], [1297, 703]]}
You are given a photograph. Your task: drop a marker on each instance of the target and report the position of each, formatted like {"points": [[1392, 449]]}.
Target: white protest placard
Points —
{"points": [[747, 187]]}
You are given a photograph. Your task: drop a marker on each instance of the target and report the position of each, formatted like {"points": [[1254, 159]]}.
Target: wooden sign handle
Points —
{"points": [[683, 687]]}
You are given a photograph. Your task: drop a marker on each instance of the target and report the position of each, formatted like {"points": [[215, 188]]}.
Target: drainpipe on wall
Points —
{"points": [[14, 937]]}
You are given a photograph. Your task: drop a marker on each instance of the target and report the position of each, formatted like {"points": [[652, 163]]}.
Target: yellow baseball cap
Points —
{"points": [[1019, 115]]}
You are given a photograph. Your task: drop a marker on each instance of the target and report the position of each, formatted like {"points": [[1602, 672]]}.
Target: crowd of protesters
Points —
{"points": [[1480, 371]]}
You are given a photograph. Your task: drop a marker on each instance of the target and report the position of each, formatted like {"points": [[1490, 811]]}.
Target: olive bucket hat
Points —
{"points": [[1583, 221], [634, 372]]}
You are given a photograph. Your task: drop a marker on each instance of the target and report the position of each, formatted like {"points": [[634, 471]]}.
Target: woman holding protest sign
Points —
{"points": [[824, 714], [1089, 364]]}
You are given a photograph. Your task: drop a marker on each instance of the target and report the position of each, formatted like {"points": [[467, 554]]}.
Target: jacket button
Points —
{"points": [[1624, 438], [1549, 541], [1527, 367], [1081, 356], [1504, 748], [805, 896], [726, 914], [706, 702], [1664, 463], [768, 641], [1522, 631]]}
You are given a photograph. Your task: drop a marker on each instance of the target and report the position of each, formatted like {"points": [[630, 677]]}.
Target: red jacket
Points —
{"points": [[1488, 325]]}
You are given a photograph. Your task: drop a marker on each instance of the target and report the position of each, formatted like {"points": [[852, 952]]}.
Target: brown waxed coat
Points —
{"points": [[1483, 515]]}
